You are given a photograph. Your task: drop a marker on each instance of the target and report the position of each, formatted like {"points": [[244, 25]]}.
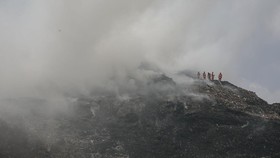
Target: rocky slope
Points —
{"points": [[207, 119]]}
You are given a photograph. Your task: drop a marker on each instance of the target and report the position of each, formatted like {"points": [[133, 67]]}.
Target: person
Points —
{"points": [[204, 75], [209, 76], [220, 76], [213, 76], [198, 75]]}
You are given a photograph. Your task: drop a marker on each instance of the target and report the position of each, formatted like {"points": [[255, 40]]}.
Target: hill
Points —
{"points": [[206, 119]]}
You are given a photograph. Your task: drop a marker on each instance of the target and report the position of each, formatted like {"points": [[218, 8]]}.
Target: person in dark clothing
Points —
{"points": [[204, 75], [198, 75]]}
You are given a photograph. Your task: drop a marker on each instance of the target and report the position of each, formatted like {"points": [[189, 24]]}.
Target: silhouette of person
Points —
{"points": [[204, 75], [220, 76], [198, 75], [213, 76]]}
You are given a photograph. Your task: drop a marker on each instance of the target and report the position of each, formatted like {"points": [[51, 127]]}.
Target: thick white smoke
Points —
{"points": [[49, 48]]}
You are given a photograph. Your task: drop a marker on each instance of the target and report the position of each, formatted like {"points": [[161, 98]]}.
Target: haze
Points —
{"points": [[49, 48]]}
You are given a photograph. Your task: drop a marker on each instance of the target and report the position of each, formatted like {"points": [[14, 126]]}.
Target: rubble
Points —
{"points": [[213, 120]]}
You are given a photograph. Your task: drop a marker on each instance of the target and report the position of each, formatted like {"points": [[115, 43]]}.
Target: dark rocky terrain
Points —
{"points": [[209, 120]]}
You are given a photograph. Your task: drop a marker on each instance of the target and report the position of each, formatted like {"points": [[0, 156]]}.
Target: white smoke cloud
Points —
{"points": [[53, 47]]}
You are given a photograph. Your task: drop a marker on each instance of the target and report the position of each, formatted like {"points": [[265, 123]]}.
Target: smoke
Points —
{"points": [[54, 48], [53, 52]]}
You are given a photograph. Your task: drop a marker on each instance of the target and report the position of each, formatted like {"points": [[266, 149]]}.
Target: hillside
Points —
{"points": [[208, 120]]}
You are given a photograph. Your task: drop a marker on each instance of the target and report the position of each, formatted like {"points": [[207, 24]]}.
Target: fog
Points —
{"points": [[54, 49]]}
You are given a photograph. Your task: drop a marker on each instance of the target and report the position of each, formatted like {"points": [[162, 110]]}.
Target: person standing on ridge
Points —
{"points": [[204, 75], [220, 76], [198, 75], [209, 76], [213, 76]]}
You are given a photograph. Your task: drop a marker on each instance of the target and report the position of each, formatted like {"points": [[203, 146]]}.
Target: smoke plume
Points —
{"points": [[54, 48]]}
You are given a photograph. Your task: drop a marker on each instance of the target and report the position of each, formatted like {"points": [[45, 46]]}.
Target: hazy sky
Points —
{"points": [[71, 45]]}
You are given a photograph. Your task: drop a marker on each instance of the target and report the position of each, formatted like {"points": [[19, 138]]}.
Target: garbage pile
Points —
{"points": [[210, 120]]}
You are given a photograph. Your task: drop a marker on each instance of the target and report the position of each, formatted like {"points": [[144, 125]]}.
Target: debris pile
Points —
{"points": [[213, 120]]}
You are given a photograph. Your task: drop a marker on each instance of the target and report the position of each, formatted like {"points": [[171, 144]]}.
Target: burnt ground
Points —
{"points": [[218, 121]]}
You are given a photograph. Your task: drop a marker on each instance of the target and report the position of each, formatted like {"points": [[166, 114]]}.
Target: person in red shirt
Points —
{"points": [[220, 76]]}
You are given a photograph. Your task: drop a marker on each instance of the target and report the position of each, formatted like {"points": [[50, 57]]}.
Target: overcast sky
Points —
{"points": [[68, 44]]}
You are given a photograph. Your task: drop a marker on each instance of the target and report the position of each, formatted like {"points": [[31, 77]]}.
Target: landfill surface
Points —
{"points": [[217, 119]]}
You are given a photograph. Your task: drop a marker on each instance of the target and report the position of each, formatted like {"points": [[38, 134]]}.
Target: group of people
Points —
{"points": [[210, 76]]}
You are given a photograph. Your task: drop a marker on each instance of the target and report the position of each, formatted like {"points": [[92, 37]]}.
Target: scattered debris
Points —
{"points": [[216, 119]]}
